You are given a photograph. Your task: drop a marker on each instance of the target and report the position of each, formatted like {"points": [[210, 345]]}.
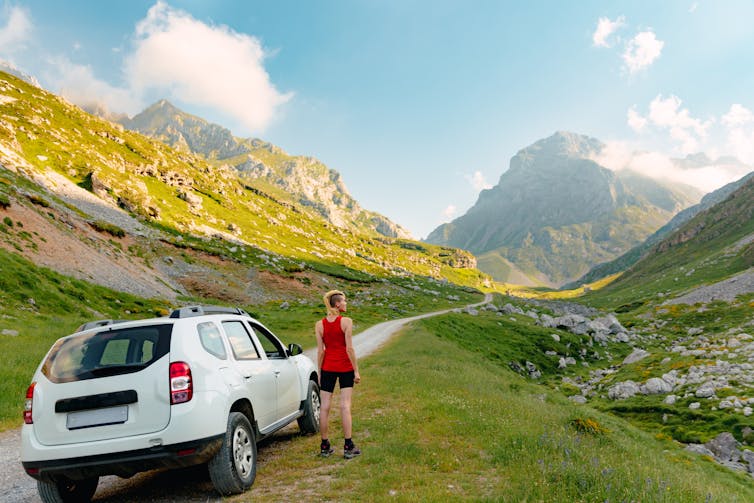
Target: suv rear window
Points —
{"points": [[107, 353]]}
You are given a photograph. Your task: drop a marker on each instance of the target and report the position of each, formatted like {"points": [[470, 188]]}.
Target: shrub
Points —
{"points": [[111, 229], [4, 201], [7, 221], [591, 426], [38, 200]]}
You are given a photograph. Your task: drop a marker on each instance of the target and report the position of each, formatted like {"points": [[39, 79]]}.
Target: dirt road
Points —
{"points": [[167, 486]]}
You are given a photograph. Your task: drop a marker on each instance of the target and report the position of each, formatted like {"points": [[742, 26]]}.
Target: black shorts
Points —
{"points": [[327, 380]]}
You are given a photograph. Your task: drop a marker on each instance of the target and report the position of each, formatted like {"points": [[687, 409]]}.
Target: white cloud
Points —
{"points": [[684, 129], [641, 51], [16, 31], [605, 28], [78, 84], [478, 181], [210, 66], [738, 115], [667, 115], [636, 121], [739, 124], [449, 212], [693, 7], [619, 156]]}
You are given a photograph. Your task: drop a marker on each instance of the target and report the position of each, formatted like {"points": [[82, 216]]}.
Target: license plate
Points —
{"points": [[97, 417]]}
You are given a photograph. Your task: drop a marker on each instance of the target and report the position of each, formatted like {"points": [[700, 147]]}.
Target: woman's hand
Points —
{"points": [[356, 377]]}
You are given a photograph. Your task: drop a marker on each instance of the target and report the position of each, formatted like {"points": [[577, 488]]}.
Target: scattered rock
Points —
{"points": [[9, 332], [635, 356]]}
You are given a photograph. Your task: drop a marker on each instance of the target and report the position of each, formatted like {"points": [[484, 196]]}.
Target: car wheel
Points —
{"points": [[309, 422], [65, 490], [234, 467]]}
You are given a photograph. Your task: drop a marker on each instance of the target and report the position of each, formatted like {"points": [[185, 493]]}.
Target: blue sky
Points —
{"points": [[418, 104]]}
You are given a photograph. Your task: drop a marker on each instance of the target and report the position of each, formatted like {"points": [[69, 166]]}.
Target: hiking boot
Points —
{"points": [[325, 449], [351, 452]]}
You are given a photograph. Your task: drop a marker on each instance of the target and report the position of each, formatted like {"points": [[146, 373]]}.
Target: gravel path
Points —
{"points": [[167, 486]]}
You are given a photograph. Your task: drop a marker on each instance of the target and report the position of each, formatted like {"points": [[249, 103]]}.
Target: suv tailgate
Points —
{"points": [[105, 385]]}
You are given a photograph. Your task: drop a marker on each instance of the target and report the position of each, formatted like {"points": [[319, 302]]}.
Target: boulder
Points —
{"points": [[623, 390], [635, 356], [705, 391], [655, 386], [700, 449], [724, 447], [532, 369]]}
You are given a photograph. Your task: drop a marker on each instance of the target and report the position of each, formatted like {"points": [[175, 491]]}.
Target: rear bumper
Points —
{"points": [[127, 463]]}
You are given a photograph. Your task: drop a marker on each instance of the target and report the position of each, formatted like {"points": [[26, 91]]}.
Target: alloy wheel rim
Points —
{"points": [[315, 406], [242, 451]]}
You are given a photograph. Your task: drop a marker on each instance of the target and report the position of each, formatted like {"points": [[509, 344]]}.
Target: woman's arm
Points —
{"points": [[346, 324], [318, 330]]}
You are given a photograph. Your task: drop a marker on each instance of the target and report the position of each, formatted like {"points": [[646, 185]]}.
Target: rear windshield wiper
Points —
{"points": [[111, 370]]}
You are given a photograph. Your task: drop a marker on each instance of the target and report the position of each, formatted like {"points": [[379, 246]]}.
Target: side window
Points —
{"points": [[212, 342], [271, 345], [240, 341]]}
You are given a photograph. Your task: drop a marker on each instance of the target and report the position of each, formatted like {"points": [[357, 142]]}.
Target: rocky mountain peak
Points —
{"points": [[309, 182], [556, 211]]}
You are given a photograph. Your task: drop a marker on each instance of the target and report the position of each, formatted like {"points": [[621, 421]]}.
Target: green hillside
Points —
{"points": [[712, 246], [168, 189]]}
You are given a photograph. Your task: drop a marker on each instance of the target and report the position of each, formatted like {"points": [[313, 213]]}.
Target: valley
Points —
{"points": [[646, 353]]}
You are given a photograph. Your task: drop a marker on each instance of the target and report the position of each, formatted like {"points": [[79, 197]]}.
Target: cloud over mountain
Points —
{"points": [[16, 30], [202, 64], [177, 56]]}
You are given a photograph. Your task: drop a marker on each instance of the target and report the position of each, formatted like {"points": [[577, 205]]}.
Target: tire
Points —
{"points": [[309, 422], [65, 490], [234, 467]]}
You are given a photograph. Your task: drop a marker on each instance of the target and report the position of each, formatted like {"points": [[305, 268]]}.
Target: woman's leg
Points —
{"points": [[324, 412], [345, 410]]}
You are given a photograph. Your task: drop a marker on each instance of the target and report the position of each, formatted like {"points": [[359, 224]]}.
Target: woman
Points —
{"points": [[337, 362]]}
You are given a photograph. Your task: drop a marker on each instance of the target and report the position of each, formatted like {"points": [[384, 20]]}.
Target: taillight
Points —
{"points": [[28, 403], [181, 386]]}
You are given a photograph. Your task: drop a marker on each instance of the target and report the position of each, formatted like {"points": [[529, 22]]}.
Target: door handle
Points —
{"points": [[276, 372]]}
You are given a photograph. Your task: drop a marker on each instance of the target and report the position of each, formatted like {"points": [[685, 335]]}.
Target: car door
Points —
{"points": [[257, 372], [285, 369]]}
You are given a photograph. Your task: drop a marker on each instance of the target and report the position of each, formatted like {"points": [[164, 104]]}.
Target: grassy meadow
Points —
{"points": [[437, 422]]}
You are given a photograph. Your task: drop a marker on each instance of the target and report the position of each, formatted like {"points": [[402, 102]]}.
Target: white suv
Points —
{"points": [[121, 397]]}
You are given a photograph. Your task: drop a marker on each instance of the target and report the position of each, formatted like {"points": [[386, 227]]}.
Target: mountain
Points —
{"points": [[92, 200], [10, 68], [309, 182], [555, 213], [634, 254], [711, 251]]}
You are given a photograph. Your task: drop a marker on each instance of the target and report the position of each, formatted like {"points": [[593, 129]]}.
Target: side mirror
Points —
{"points": [[294, 349]]}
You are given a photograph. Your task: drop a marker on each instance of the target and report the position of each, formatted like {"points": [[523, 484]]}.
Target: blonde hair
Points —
{"points": [[328, 298]]}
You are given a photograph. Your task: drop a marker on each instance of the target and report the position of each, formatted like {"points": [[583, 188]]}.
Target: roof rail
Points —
{"points": [[189, 311], [98, 323]]}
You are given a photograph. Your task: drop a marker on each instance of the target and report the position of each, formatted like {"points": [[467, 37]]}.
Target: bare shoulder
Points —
{"points": [[318, 326], [346, 322]]}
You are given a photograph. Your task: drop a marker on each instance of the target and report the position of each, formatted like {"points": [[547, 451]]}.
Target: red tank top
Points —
{"points": [[336, 358]]}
